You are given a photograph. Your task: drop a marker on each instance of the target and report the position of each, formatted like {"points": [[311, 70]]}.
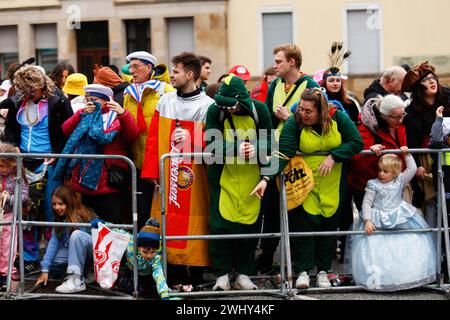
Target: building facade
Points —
{"points": [[380, 33], [86, 32]]}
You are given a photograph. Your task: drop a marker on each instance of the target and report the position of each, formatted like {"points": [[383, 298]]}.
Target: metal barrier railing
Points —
{"points": [[284, 234], [166, 238], [18, 221], [286, 288]]}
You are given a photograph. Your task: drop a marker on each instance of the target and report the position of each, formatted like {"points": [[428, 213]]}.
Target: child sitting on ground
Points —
{"points": [[69, 250], [148, 261]]}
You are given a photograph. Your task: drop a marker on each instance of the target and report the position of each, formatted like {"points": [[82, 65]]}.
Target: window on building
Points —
{"points": [[180, 35], [277, 30], [9, 50], [138, 35], [363, 34], [46, 46]]}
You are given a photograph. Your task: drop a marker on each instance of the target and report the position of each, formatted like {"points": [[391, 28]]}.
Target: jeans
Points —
{"points": [[77, 258]]}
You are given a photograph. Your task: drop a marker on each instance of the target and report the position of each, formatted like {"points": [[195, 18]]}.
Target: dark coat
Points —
{"points": [[59, 110], [376, 89]]}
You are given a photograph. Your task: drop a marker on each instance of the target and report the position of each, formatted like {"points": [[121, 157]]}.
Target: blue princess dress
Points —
{"points": [[390, 262]]}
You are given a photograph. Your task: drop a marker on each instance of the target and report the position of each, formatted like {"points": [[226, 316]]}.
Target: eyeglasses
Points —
{"points": [[135, 66], [306, 111], [429, 79], [398, 118]]}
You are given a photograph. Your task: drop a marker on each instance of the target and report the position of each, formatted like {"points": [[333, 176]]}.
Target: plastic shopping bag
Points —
{"points": [[299, 180], [109, 247]]}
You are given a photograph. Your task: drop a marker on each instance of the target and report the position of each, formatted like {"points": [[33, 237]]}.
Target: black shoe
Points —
{"points": [[32, 267], [264, 263], [2, 283]]}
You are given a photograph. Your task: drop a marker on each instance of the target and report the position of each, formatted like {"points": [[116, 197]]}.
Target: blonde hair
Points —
{"points": [[8, 148], [12, 162], [29, 78], [391, 163]]}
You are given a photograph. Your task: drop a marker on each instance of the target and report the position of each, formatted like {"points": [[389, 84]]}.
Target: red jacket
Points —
{"points": [[260, 92], [128, 133], [365, 167]]}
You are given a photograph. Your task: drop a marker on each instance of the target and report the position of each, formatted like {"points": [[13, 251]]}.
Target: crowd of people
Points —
{"points": [[146, 110]]}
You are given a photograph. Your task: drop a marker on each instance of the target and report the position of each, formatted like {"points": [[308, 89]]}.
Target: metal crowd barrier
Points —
{"points": [[18, 221], [286, 289]]}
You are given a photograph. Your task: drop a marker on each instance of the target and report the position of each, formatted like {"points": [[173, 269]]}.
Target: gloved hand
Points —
{"points": [[94, 223]]}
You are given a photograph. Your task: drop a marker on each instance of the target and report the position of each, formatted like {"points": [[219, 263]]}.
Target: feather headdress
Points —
{"points": [[337, 56]]}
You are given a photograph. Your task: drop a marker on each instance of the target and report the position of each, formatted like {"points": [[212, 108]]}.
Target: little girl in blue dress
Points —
{"points": [[390, 262]]}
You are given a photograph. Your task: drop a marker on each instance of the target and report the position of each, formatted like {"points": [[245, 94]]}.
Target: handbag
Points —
{"points": [[299, 180], [118, 177]]}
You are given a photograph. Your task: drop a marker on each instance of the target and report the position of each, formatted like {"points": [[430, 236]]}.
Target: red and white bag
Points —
{"points": [[109, 247]]}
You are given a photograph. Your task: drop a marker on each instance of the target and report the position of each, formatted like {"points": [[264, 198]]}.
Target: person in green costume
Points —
{"points": [[316, 126], [283, 93], [238, 133]]}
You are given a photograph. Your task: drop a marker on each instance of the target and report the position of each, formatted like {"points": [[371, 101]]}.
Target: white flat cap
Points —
{"points": [[98, 90], [142, 55]]}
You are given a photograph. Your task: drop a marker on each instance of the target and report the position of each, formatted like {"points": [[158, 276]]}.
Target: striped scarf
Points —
{"points": [[136, 90]]}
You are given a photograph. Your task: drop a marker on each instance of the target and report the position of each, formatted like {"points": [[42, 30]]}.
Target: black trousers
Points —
{"points": [[270, 211]]}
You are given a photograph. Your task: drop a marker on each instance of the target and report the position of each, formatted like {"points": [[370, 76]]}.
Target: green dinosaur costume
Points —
{"points": [[232, 178]]}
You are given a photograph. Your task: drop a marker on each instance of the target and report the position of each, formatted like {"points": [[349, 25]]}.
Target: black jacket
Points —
{"points": [[59, 110], [376, 89]]}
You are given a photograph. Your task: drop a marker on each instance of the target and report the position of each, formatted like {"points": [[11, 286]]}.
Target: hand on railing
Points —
{"points": [[404, 150], [369, 227], [326, 166], [377, 148]]}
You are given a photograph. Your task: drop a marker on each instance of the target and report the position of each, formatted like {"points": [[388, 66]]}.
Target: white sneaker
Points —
{"points": [[302, 281], [222, 283], [73, 283], [322, 280], [245, 283]]}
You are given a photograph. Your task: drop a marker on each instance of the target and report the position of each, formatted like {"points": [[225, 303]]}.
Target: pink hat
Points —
{"points": [[240, 71]]}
